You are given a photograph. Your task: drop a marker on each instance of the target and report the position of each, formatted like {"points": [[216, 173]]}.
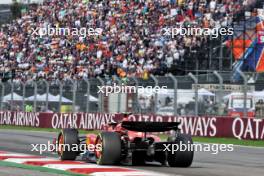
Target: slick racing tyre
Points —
{"points": [[180, 158], [68, 143], [110, 150]]}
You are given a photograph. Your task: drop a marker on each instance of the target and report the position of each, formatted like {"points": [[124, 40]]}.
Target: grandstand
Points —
{"points": [[131, 43]]}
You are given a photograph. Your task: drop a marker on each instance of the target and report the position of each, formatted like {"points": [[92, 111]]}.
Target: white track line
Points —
{"points": [[251, 147], [15, 160], [74, 166], [15, 154], [126, 174]]}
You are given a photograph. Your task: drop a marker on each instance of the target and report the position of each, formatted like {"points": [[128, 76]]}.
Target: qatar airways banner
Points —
{"points": [[197, 126]]}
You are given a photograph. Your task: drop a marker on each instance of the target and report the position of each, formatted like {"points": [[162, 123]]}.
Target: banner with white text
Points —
{"points": [[196, 126]]}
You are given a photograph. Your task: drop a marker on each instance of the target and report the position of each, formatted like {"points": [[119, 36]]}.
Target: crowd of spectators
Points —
{"points": [[131, 44]]}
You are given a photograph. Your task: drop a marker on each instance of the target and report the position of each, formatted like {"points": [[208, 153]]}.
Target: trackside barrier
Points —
{"points": [[211, 94], [241, 128]]}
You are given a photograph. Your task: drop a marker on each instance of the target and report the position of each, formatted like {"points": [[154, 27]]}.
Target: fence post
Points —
{"points": [[175, 81], [74, 89], [35, 95], [221, 82], [23, 95], [119, 94], [2, 94], [12, 95], [47, 94], [245, 92], [156, 97], [88, 95], [60, 97], [101, 104], [196, 92], [137, 104]]}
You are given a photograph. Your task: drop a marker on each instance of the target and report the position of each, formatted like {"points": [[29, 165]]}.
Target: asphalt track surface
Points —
{"points": [[243, 161]]}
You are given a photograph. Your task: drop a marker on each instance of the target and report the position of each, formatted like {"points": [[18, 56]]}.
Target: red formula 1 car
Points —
{"points": [[127, 142]]}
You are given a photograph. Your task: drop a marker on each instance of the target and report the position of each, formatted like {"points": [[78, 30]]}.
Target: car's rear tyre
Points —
{"points": [[180, 158], [68, 141], [110, 152]]}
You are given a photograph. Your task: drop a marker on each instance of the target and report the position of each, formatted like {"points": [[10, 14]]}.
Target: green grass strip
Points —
{"points": [[37, 168], [215, 140], [255, 143]]}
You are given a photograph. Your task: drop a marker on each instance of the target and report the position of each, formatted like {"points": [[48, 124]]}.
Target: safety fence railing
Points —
{"points": [[213, 94]]}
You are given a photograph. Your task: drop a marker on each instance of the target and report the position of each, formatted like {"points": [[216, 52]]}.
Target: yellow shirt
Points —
{"points": [[181, 2]]}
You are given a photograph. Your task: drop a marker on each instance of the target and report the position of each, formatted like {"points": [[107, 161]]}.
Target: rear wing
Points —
{"points": [[150, 126]]}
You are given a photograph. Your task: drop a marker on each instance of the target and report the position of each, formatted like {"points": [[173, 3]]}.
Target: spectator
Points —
{"points": [[131, 40]]}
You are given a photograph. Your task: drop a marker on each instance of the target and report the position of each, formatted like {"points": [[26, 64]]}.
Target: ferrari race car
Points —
{"points": [[127, 142]]}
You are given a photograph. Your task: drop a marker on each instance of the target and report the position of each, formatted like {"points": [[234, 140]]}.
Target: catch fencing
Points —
{"points": [[211, 94]]}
